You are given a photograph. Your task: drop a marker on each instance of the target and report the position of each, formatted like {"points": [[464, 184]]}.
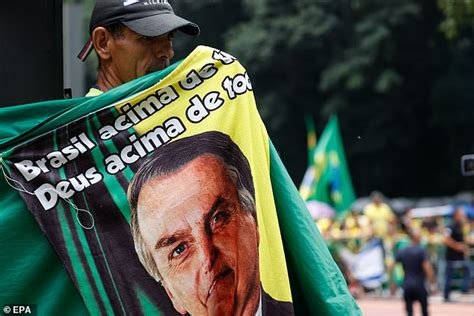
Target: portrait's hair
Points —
{"points": [[173, 156]]}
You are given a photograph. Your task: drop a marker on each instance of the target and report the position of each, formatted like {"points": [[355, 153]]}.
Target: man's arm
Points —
{"points": [[430, 276], [451, 243], [428, 270]]}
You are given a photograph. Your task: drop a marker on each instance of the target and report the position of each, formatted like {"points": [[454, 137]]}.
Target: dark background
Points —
{"points": [[31, 51]]}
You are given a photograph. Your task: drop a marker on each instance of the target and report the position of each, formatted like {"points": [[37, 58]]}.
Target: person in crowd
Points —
{"points": [[132, 39], [384, 225], [381, 216], [456, 251], [417, 269]]}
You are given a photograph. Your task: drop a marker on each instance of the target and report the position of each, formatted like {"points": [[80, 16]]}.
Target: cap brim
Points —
{"points": [[160, 24], [154, 25]]}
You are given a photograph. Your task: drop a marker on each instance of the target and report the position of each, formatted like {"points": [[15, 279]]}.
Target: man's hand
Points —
{"points": [[433, 288], [462, 248], [456, 245], [393, 289]]}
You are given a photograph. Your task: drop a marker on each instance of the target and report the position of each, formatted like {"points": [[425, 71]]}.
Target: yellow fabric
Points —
{"points": [[357, 226], [237, 117], [380, 215], [93, 92]]}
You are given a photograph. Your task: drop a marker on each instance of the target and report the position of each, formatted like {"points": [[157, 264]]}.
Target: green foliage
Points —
{"points": [[367, 62], [382, 66], [459, 14]]}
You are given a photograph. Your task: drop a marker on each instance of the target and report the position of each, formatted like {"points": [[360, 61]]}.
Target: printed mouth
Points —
{"points": [[219, 277]]}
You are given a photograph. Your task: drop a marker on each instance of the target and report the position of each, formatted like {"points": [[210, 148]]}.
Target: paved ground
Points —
{"points": [[462, 305]]}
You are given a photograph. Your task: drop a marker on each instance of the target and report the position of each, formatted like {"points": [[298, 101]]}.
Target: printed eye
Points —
{"points": [[178, 250], [219, 218]]}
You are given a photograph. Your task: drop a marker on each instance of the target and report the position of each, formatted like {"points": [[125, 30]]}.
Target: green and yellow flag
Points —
{"points": [[327, 180], [163, 196]]}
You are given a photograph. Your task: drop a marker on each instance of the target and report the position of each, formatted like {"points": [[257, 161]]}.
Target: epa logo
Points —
{"points": [[19, 310]]}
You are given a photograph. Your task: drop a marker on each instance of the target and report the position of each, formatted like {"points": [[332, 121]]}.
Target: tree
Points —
{"points": [[458, 15], [381, 65]]}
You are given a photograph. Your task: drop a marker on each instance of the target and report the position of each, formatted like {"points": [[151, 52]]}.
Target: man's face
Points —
{"points": [[204, 244], [377, 200], [459, 215], [134, 55]]}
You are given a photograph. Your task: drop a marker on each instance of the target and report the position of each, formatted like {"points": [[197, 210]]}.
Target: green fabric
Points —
{"points": [[22, 122], [30, 272], [317, 285]]}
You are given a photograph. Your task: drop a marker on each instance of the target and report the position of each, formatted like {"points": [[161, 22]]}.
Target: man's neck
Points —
{"points": [[106, 80]]}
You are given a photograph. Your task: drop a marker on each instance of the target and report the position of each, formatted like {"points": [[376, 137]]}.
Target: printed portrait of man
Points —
{"points": [[194, 225]]}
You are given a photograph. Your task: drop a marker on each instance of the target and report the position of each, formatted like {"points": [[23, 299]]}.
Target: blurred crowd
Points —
{"points": [[365, 246]]}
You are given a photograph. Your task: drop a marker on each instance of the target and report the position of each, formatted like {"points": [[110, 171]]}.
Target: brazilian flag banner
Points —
{"points": [[327, 186], [163, 196]]}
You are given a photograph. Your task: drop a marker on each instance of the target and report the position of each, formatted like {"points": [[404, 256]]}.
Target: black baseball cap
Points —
{"points": [[146, 17]]}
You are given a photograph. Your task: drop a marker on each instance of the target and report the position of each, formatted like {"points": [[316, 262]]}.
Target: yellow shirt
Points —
{"points": [[381, 215], [93, 92]]}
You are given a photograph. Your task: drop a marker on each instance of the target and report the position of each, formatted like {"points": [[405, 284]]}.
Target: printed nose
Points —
{"points": [[209, 254]]}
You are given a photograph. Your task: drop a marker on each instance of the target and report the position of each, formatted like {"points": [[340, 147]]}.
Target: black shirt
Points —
{"points": [[412, 258], [454, 230]]}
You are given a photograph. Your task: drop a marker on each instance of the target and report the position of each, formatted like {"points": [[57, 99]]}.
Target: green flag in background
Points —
{"points": [[327, 181]]}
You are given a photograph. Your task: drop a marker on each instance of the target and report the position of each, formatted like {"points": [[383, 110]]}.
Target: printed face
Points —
{"points": [[204, 244], [134, 55]]}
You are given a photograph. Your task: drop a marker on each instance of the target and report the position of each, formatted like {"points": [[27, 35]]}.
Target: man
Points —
{"points": [[132, 38], [456, 250], [416, 266], [194, 225], [381, 216]]}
